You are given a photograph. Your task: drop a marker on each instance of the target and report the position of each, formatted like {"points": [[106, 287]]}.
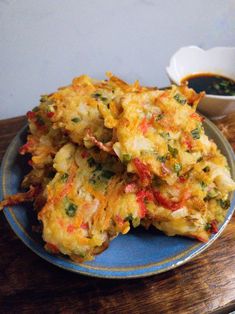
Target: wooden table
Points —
{"points": [[29, 284]]}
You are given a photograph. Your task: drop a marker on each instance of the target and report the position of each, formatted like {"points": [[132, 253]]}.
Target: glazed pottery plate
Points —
{"points": [[140, 253]]}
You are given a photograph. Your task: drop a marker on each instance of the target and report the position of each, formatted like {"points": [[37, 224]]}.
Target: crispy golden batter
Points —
{"points": [[107, 155]]}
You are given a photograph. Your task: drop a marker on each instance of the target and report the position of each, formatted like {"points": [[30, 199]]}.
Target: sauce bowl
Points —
{"points": [[193, 60]]}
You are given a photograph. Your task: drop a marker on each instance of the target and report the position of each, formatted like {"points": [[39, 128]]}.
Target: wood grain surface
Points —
{"points": [[29, 284]]}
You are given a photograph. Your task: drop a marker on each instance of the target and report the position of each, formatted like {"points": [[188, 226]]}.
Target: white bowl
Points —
{"points": [[193, 60]]}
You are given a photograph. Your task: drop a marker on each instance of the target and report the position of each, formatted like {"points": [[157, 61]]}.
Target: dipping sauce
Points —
{"points": [[212, 84]]}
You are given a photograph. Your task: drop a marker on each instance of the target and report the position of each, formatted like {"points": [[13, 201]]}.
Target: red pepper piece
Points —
{"points": [[84, 154], [24, 149], [119, 220], [30, 115], [200, 239], [143, 171], [30, 163], [214, 226], [182, 179], [162, 200], [140, 201], [50, 114], [70, 228], [84, 225], [141, 196], [196, 116], [144, 125], [52, 248]]}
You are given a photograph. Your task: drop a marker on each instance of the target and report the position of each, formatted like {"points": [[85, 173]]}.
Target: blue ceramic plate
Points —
{"points": [[138, 254]]}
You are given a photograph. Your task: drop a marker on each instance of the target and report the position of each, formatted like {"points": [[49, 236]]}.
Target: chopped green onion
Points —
{"points": [[126, 158], [207, 227], [165, 135], [82, 255], [225, 204], [159, 117], [43, 98], [76, 119], [196, 133], [162, 158], [135, 222], [211, 194], [177, 167], [203, 185], [64, 177], [71, 209], [35, 109], [173, 151], [180, 99], [99, 96], [103, 98]]}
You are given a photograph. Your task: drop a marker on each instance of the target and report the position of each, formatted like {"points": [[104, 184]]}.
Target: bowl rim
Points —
{"points": [[194, 47]]}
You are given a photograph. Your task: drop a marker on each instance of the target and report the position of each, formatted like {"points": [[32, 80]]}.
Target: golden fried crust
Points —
{"points": [[108, 155]]}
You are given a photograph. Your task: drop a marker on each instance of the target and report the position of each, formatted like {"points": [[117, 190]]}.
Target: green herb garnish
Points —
{"points": [[159, 117], [196, 133], [135, 222], [81, 255], [173, 151], [35, 109], [43, 98], [200, 159], [203, 185], [211, 194], [126, 158], [225, 204], [129, 218], [207, 227], [162, 158], [76, 119], [180, 99], [64, 177], [165, 135], [99, 96], [71, 209], [177, 167]]}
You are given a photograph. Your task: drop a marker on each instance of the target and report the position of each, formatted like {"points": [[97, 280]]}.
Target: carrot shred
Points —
{"points": [[20, 197]]}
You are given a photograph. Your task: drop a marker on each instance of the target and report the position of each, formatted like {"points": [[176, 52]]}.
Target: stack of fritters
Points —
{"points": [[107, 156]]}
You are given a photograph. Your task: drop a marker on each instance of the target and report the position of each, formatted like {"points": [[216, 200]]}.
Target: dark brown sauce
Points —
{"points": [[213, 84]]}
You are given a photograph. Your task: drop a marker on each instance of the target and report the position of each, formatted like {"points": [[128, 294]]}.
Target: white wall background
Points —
{"points": [[44, 44]]}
